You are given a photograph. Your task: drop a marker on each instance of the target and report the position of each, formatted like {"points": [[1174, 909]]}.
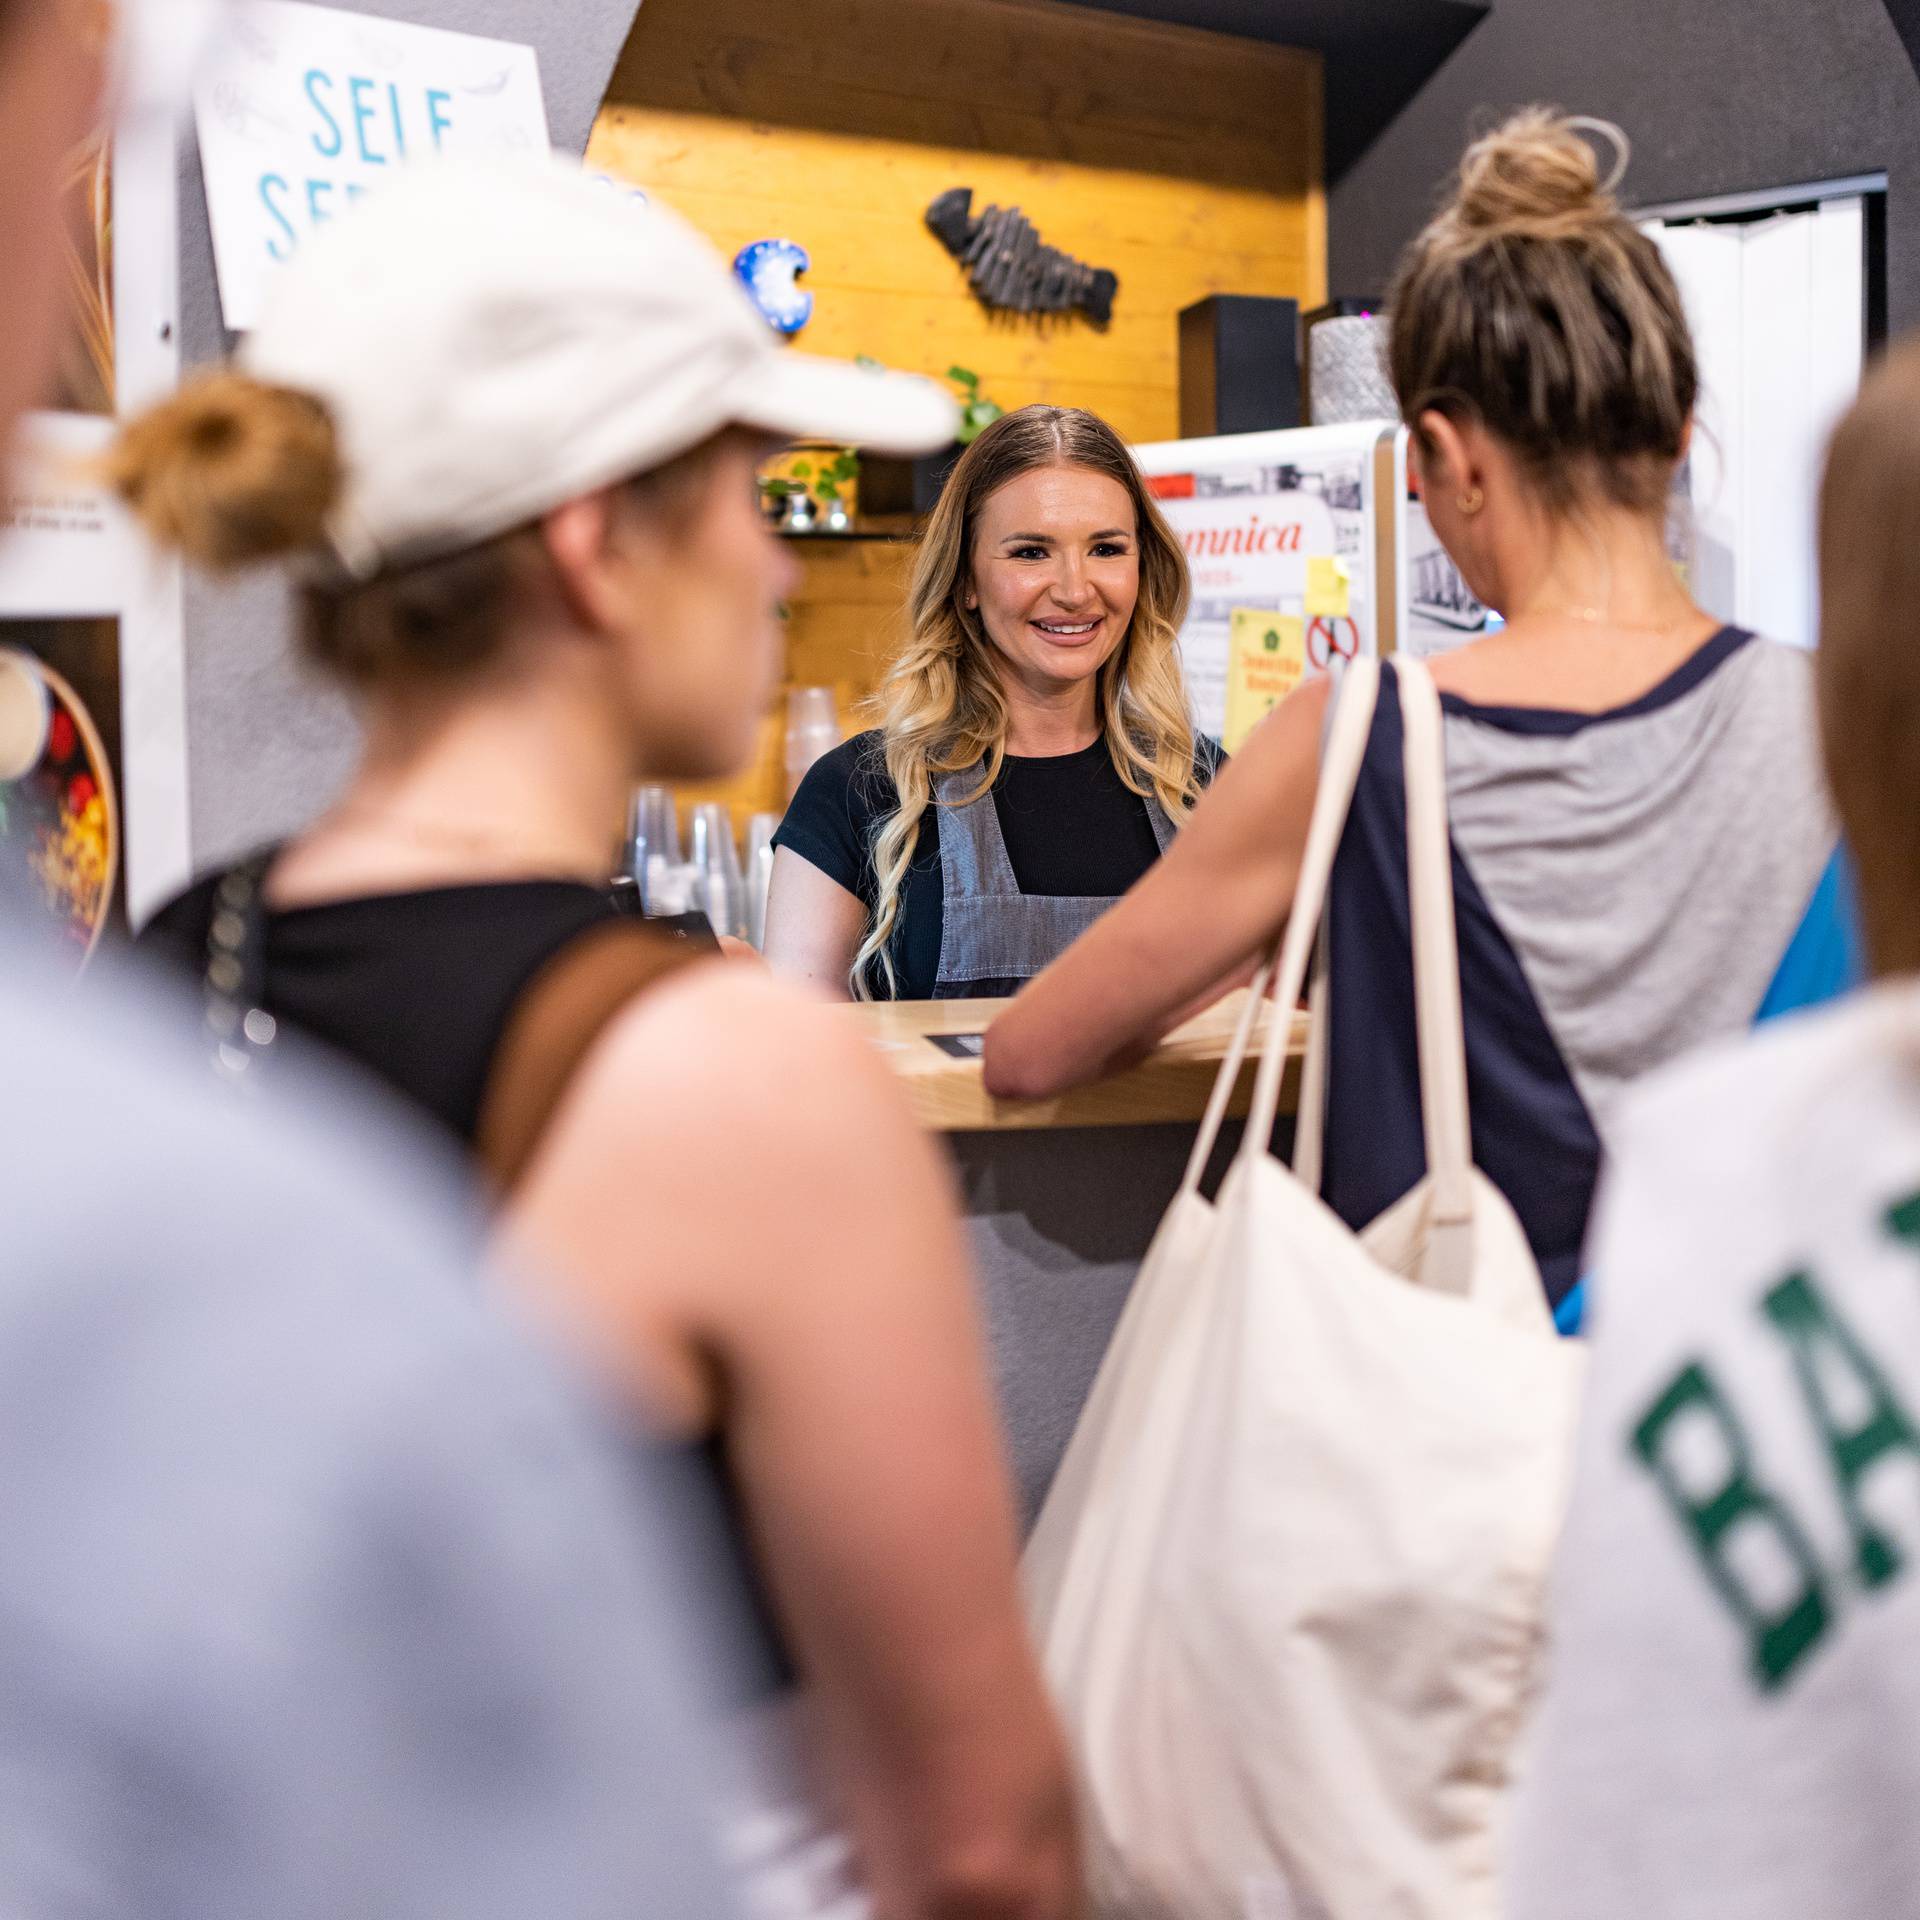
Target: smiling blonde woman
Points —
{"points": [[1034, 755]]}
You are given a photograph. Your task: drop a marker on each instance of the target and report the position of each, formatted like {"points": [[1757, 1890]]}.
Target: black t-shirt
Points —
{"points": [[1071, 824], [415, 987]]}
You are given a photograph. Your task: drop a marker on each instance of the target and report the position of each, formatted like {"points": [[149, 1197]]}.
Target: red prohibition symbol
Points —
{"points": [[1330, 638]]}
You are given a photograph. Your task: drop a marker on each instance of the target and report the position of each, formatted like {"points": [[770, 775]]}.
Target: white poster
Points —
{"points": [[1276, 523], [309, 108], [67, 548]]}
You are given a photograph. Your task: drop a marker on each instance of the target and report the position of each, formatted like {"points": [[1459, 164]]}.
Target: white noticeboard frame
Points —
{"points": [[153, 641], [1253, 511], [308, 108]]}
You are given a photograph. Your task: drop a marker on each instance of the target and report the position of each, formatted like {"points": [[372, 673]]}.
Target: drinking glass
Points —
{"points": [[813, 728]]}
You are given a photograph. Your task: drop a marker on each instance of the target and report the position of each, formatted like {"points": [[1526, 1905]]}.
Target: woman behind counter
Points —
{"points": [[1034, 755]]}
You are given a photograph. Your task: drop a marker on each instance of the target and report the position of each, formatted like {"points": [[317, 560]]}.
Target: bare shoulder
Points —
{"points": [[730, 1047]]}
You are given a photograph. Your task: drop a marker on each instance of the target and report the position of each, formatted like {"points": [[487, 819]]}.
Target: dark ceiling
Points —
{"points": [[1379, 53]]}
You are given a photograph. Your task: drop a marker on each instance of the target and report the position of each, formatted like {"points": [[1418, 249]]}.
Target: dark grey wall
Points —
{"points": [[267, 745], [1718, 96]]}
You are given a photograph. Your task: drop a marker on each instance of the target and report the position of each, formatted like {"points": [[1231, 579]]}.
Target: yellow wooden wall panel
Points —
{"points": [[1188, 163], [760, 167]]}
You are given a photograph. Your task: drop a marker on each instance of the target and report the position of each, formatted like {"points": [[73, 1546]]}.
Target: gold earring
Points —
{"points": [[1472, 501]]}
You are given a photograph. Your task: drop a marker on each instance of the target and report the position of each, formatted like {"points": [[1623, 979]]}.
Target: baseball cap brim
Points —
{"points": [[805, 397]]}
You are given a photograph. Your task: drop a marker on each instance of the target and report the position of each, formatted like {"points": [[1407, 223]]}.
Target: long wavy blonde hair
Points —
{"points": [[941, 706]]}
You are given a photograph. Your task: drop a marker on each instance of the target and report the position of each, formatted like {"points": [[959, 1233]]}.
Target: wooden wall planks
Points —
{"points": [[1187, 162]]}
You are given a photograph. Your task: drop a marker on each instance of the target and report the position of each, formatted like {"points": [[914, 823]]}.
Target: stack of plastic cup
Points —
{"points": [[653, 833], [720, 891], [813, 728]]}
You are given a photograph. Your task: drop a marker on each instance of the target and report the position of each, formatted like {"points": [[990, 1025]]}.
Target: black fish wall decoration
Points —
{"points": [[1011, 268]]}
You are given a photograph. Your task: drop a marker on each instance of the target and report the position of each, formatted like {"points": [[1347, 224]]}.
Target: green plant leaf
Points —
{"points": [[962, 378], [802, 469]]}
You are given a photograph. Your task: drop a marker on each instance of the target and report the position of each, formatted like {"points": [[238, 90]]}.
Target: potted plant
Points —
{"points": [[829, 484], [787, 503], [977, 413], [812, 494]]}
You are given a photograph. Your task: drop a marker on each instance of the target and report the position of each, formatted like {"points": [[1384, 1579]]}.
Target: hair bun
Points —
{"points": [[1535, 177], [230, 470]]}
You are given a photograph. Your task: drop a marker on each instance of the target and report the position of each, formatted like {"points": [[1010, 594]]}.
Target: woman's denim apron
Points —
{"points": [[990, 930]]}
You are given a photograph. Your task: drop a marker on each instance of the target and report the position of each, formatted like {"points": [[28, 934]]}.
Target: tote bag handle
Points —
{"points": [[1444, 1119], [1436, 965], [1438, 1020], [1310, 1124], [1283, 967]]}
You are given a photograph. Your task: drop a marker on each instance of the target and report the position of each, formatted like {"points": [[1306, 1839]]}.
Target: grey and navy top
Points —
{"points": [[1625, 883]]}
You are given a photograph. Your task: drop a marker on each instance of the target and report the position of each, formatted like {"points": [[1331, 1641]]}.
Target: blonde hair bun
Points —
{"points": [[231, 471], [1532, 304], [1537, 177]]}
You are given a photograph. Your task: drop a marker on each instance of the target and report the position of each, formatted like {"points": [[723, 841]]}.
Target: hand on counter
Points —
{"points": [[1199, 917]]}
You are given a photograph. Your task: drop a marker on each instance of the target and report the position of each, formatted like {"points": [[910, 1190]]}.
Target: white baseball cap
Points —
{"points": [[493, 340]]}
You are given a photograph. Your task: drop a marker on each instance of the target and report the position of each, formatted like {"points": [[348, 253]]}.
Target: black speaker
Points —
{"points": [[1239, 365]]}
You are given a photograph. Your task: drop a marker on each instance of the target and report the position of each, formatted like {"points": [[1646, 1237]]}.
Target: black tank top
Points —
{"points": [[416, 988]]}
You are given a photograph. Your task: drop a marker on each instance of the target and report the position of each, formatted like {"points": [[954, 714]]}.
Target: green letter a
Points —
{"points": [[1807, 1320]]}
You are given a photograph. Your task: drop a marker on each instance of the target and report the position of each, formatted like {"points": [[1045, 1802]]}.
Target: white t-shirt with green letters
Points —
{"points": [[1731, 1725]]}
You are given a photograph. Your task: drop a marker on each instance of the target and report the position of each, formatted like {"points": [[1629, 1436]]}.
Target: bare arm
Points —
{"points": [[749, 1216], [814, 925], [1191, 925]]}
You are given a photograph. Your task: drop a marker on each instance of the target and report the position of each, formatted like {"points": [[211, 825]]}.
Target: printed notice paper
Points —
{"points": [[310, 108], [1285, 522], [1328, 594], [67, 548], [1266, 657]]}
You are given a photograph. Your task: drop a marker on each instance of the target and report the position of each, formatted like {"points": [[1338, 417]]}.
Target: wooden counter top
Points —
{"points": [[1170, 1085]]}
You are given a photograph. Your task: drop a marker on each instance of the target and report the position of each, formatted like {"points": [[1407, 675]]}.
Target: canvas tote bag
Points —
{"points": [[1288, 1583]]}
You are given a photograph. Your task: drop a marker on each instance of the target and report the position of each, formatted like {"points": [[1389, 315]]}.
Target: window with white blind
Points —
{"points": [[1780, 306]]}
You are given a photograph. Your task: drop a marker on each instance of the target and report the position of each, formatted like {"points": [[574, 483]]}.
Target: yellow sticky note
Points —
{"points": [[1328, 587], [1265, 659]]}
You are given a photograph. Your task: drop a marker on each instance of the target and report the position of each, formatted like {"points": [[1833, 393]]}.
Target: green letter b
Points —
{"points": [[1780, 1637]]}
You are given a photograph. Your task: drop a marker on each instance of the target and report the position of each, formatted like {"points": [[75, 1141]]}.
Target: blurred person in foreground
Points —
{"points": [[1732, 1721], [505, 426], [322, 1593]]}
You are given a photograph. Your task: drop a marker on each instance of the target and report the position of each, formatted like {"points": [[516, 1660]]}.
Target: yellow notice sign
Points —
{"points": [[1265, 659], [1328, 587]]}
